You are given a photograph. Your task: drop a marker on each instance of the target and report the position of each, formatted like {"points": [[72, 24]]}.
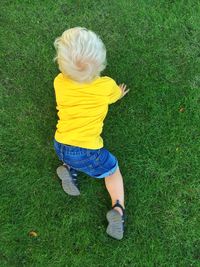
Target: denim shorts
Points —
{"points": [[97, 163]]}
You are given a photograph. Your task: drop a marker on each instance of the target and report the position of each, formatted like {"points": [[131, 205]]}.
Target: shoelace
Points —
{"points": [[74, 176], [117, 204]]}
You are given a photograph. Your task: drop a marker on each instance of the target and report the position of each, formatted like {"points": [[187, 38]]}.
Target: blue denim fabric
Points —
{"points": [[97, 163]]}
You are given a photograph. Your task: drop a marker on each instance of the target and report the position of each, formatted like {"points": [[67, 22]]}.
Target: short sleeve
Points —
{"points": [[115, 93]]}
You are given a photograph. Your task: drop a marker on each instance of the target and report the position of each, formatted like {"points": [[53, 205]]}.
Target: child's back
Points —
{"points": [[82, 109]]}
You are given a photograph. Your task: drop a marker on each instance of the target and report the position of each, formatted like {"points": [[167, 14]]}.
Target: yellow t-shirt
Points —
{"points": [[82, 109]]}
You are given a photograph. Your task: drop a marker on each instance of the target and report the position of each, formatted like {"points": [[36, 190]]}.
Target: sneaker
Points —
{"points": [[115, 227], [69, 180]]}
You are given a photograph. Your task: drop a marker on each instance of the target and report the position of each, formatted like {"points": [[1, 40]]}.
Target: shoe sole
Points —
{"points": [[67, 183], [115, 226]]}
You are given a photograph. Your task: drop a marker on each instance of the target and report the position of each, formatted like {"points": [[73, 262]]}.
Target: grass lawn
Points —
{"points": [[153, 46]]}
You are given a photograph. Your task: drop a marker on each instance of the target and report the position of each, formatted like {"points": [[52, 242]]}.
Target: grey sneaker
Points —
{"points": [[69, 180], [115, 227]]}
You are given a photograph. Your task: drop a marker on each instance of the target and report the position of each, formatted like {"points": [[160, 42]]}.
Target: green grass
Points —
{"points": [[153, 46]]}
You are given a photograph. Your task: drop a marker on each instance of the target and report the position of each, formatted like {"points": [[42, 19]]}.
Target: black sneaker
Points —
{"points": [[69, 180], [116, 221]]}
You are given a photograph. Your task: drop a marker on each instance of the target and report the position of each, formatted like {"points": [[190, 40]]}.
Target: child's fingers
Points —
{"points": [[126, 92], [122, 86]]}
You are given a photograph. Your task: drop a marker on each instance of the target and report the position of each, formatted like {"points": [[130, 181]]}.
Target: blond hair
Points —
{"points": [[81, 54]]}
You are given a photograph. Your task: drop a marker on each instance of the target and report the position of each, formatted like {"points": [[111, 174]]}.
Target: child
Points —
{"points": [[82, 98]]}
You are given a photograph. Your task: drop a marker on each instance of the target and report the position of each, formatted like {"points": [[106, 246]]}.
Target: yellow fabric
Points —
{"points": [[82, 109]]}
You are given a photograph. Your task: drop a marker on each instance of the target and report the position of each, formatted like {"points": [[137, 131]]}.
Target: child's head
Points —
{"points": [[81, 54]]}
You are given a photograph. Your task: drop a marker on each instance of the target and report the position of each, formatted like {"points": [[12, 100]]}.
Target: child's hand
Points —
{"points": [[123, 89]]}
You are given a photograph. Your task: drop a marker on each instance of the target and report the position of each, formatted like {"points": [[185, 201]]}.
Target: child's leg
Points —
{"points": [[115, 187]]}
